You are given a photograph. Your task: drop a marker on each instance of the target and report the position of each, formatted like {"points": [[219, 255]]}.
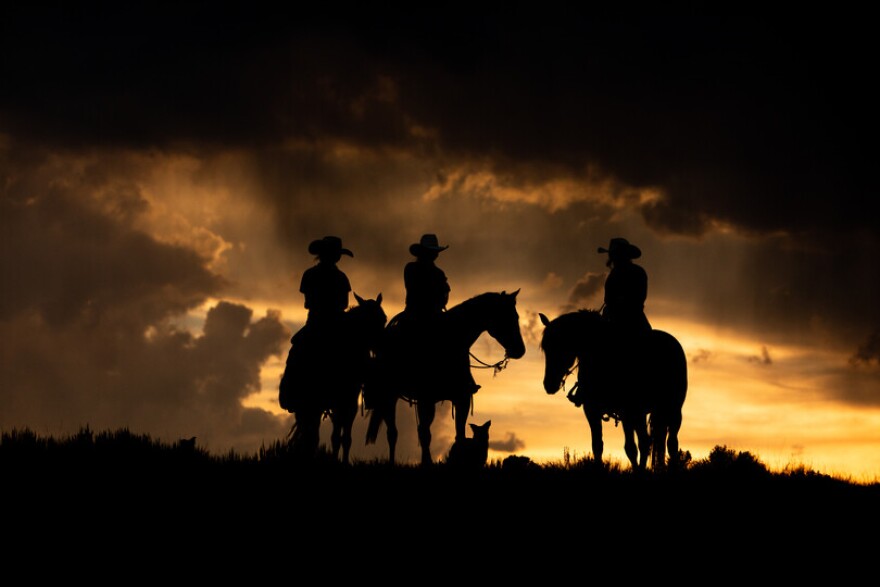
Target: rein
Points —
{"points": [[564, 377], [498, 366]]}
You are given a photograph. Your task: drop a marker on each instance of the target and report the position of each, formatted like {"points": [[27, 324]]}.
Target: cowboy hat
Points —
{"points": [[328, 246], [620, 247], [428, 242]]}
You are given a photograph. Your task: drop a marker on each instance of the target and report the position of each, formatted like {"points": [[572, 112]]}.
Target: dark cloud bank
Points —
{"points": [[764, 123], [87, 315]]}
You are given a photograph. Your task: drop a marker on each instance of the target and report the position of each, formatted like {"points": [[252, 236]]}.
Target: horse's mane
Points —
{"points": [[481, 298], [478, 301], [367, 307], [571, 323], [579, 316], [365, 316]]}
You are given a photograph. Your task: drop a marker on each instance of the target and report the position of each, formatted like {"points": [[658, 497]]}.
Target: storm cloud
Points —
{"points": [[700, 123], [93, 311]]}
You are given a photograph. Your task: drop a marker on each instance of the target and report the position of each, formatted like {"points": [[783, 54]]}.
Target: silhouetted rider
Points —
{"points": [[301, 390], [326, 289], [416, 330], [626, 288], [427, 288], [324, 285]]}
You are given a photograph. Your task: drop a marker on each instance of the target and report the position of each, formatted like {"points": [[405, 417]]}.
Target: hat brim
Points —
{"points": [[417, 248], [630, 251], [320, 247]]}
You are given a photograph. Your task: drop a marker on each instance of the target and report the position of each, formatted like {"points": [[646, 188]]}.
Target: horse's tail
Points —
{"points": [[373, 426]]}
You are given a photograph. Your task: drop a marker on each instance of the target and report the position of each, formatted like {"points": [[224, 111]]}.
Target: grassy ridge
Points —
{"points": [[121, 453], [145, 504]]}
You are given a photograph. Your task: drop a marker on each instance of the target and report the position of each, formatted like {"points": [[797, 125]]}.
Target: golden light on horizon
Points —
{"points": [[782, 420]]}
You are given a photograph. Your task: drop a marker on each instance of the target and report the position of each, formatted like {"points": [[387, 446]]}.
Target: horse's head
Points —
{"points": [[369, 318], [565, 339], [559, 353], [504, 326]]}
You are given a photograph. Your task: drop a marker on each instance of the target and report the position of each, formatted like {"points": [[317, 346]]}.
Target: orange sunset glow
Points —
{"points": [[158, 200]]}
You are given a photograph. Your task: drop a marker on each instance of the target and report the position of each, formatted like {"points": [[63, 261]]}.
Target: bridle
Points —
{"points": [[574, 387], [497, 366]]}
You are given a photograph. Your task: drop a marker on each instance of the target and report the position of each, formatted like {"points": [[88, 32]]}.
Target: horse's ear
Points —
{"points": [[544, 320], [516, 292], [359, 299], [379, 298]]}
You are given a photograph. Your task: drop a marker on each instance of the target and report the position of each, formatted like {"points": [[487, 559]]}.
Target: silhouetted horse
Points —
{"points": [[438, 368], [641, 385], [327, 378]]}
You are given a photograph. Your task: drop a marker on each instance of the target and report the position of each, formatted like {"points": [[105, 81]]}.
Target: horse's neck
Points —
{"points": [[589, 338], [466, 322], [358, 326]]}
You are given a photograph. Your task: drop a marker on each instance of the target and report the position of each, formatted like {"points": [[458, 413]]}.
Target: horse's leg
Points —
{"points": [[314, 435], [595, 421], [672, 440], [629, 443], [657, 431], [641, 430], [391, 429], [461, 408], [425, 410], [307, 437], [348, 415]]}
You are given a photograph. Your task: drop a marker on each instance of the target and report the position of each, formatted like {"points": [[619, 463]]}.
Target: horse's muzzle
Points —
{"points": [[516, 353], [551, 387]]}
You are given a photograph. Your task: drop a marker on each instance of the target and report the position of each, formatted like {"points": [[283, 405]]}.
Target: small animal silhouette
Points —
{"points": [[187, 444], [471, 453]]}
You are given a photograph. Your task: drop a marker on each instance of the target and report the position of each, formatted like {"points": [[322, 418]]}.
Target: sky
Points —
{"points": [[163, 168]]}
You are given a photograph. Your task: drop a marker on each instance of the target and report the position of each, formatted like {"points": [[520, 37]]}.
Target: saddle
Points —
{"points": [[626, 343], [421, 363], [626, 349], [309, 363]]}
